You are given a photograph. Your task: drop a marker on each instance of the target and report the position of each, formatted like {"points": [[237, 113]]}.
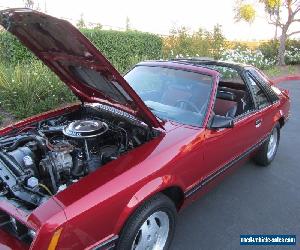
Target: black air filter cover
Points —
{"points": [[85, 129]]}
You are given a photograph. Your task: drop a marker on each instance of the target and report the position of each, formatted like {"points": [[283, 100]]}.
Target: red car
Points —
{"points": [[114, 170]]}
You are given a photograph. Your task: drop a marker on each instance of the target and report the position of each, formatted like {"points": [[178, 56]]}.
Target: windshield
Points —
{"points": [[173, 94]]}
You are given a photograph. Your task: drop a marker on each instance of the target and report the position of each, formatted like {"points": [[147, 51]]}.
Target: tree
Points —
{"points": [[81, 23], [272, 9], [282, 14], [31, 4], [244, 12], [183, 42], [98, 26], [127, 23]]}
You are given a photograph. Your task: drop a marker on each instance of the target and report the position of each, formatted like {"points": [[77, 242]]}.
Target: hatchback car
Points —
{"points": [[113, 170]]}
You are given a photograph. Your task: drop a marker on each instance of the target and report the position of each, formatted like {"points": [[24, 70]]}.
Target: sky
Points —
{"points": [[157, 16]]}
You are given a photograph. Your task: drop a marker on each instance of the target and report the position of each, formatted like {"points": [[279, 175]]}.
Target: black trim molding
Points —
{"points": [[224, 168], [108, 244]]}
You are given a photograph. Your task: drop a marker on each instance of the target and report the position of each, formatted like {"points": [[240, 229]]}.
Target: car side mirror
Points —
{"points": [[219, 121]]}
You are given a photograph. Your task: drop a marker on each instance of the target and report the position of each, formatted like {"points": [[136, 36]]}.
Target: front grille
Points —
{"points": [[12, 226]]}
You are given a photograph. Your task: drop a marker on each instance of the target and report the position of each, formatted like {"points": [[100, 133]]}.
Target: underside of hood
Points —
{"points": [[77, 62]]}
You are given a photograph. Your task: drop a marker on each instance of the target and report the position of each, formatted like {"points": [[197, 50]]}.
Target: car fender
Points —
{"points": [[144, 193]]}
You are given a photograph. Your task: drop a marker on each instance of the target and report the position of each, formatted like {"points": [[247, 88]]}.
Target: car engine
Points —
{"points": [[42, 159]]}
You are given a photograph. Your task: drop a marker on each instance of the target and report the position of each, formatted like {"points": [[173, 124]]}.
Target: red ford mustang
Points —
{"points": [[114, 170]]}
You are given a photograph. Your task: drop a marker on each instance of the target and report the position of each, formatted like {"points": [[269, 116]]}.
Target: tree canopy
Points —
{"points": [[281, 13], [245, 12]]}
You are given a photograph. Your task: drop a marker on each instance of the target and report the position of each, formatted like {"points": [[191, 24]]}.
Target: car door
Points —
{"points": [[224, 147]]}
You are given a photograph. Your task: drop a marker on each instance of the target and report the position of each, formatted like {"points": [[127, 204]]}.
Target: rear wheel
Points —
{"points": [[266, 153], [151, 227]]}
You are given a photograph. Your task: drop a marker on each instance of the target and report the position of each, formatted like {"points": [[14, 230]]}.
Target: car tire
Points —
{"points": [[152, 225], [266, 153]]}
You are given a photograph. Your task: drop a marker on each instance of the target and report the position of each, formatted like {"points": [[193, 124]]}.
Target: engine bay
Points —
{"points": [[44, 158]]}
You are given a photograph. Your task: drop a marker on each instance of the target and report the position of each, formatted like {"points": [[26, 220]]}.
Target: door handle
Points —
{"points": [[258, 123]]}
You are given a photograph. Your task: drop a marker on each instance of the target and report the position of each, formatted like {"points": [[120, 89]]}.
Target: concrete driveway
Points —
{"points": [[253, 200]]}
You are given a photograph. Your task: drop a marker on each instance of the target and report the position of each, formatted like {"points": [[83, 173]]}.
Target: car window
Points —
{"points": [[265, 83], [259, 76], [233, 99], [227, 74], [259, 95], [173, 94]]}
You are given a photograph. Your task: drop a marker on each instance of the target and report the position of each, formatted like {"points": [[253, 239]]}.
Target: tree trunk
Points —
{"points": [[276, 31], [277, 25], [281, 49]]}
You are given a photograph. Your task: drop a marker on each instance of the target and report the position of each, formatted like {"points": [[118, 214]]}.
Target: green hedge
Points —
{"points": [[123, 49], [11, 50], [27, 87]]}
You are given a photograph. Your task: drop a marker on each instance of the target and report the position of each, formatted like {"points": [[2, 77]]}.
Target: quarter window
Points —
{"points": [[259, 95], [261, 78], [264, 82]]}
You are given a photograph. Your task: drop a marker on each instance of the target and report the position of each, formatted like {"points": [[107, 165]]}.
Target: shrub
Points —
{"points": [[247, 56], [292, 56], [28, 89], [239, 46], [12, 51], [270, 51], [203, 43], [292, 44], [124, 49]]}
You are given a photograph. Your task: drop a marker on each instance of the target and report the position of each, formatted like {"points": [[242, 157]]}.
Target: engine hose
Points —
{"points": [[28, 138]]}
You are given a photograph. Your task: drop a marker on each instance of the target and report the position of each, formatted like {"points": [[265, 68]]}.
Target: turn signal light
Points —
{"points": [[54, 240]]}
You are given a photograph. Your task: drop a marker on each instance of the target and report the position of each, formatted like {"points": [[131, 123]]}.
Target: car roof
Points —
{"points": [[198, 62], [180, 65]]}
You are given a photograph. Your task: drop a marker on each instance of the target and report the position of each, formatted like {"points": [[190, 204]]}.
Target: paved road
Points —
{"points": [[253, 200]]}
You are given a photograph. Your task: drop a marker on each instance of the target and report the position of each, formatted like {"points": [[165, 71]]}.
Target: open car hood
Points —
{"points": [[77, 62]]}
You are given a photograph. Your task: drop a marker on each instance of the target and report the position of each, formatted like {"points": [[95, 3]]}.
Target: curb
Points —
{"points": [[285, 78]]}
